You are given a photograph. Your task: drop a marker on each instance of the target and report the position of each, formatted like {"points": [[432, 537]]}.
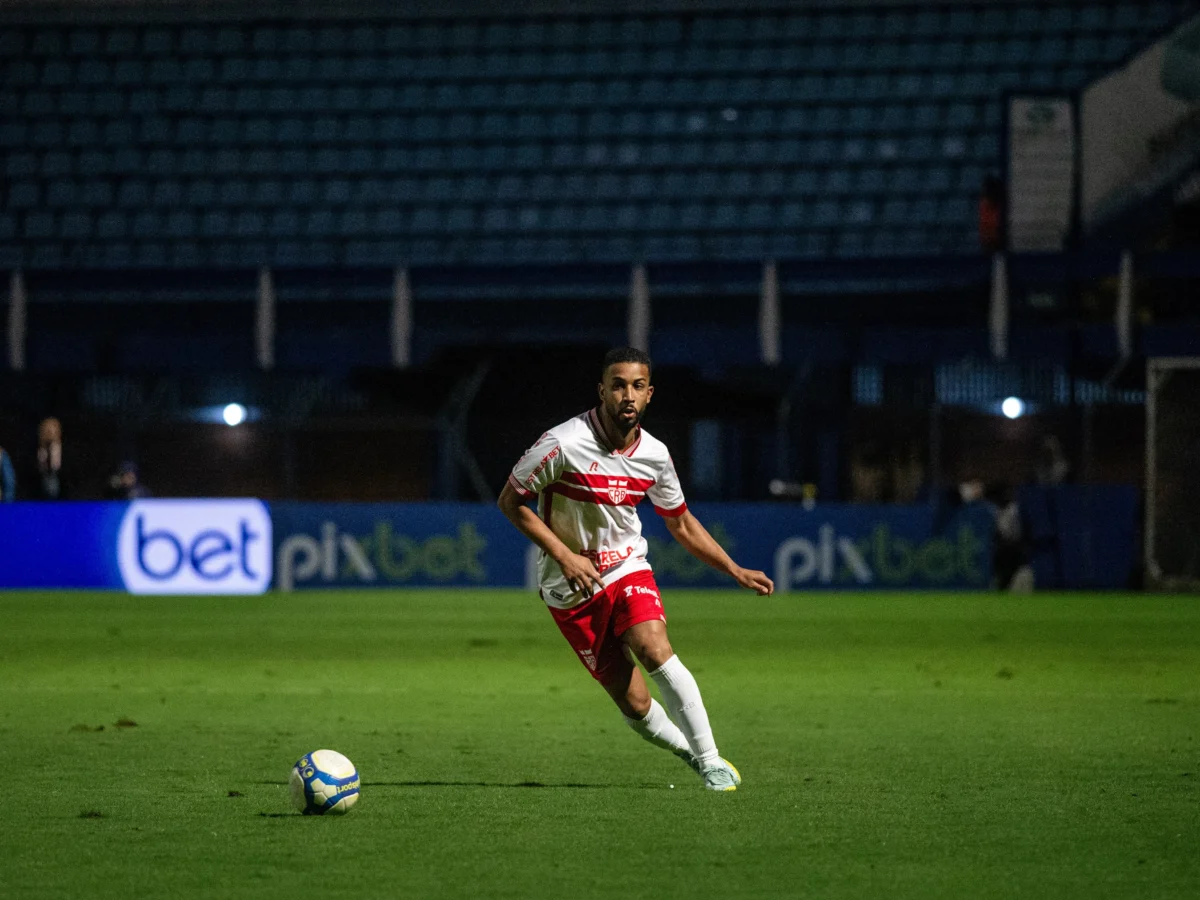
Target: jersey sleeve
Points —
{"points": [[666, 493], [538, 468]]}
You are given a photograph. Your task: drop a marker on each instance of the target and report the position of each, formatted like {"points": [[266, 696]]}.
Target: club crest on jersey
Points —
{"points": [[618, 489]]}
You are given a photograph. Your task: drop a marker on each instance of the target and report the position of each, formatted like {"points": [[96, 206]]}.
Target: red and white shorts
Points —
{"points": [[594, 628]]}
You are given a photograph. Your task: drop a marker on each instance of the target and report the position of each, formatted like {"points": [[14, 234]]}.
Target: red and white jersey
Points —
{"points": [[588, 493]]}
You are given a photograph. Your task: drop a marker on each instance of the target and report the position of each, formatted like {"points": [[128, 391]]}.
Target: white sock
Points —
{"points": [[682, 696], [658, 729]]}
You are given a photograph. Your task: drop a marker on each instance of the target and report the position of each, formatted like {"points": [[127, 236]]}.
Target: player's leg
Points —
{"points": [[588, 629], [649, 642], [643, 713], [641, 621]]}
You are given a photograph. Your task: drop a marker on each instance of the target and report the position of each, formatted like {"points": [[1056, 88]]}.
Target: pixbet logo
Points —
{"points": [[799, 560], [195, 547], [882, 557], [382, 555]]}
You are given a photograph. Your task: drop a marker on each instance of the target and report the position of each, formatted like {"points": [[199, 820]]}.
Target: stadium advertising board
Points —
{"points": [[836, 547], [378, 545], [144, 547], [195, 547]]}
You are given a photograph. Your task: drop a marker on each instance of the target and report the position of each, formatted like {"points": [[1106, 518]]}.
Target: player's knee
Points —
{"points": [[633, 700], [636, 705], [633, 703], [655, 653]]}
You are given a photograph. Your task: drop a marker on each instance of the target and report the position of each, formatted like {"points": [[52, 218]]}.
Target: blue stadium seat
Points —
{"points": [[23, 194], [111, 225], [166, 193], [76, 225], [870, 181], [938, 178], [54, 73], [46, 255], [146, 224], [155, 41], [1086, 49], [1049, 50], [1056, 18], [61, 193], [180, 224], [758, 215], [80, 42], [595, 118], [1117, 47], [12, 42], [895, 212], [961, 116]]}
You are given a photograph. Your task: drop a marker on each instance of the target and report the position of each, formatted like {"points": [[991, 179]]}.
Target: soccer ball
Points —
{"points": [[324, 783]]}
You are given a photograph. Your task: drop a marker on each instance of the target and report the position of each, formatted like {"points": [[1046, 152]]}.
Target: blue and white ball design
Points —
{"points": [[324, 783]]}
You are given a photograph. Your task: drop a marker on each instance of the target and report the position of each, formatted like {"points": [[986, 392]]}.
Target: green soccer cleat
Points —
{"points": [[722, 776]]}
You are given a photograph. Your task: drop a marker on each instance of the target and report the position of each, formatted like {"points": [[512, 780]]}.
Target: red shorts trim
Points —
{"points": [[594, 629]]}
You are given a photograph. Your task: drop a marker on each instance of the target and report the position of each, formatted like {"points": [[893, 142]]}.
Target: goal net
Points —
{"points": [[1172, 532]]}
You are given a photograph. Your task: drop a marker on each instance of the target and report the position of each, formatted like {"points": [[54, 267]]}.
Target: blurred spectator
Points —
{"points": [[1052, 466], [1010, 557], [8, 478], [868, 475], [991, 215], [908, 476], [49, 461], [124, 483]]}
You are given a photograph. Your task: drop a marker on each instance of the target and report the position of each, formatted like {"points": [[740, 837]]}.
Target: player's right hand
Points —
{"points": [[581, 575]]}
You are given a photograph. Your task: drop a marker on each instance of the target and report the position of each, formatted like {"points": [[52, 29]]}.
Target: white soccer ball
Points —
{"points": [[324, 783]]}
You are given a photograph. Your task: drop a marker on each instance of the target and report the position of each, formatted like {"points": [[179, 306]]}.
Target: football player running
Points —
{"points": [[588, 475]]}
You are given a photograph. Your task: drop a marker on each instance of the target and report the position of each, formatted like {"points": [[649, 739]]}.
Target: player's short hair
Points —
{"points": [[625, 355]]}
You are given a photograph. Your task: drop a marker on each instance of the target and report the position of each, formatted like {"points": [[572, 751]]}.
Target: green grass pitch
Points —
{"points": [[898, 746]]}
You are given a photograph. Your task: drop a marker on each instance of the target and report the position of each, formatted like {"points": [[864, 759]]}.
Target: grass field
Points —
{"points": [[899, 746]]}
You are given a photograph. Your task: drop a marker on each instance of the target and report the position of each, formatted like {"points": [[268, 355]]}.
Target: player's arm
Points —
{"points": [[695, 538], [578, 570]]}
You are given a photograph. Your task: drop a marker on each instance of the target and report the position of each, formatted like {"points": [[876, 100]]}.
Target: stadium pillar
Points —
{"points": [[998, 308], [639, 309], [401, 324], [264, 321], [1124, 312], [16, 322], [768, 315]]}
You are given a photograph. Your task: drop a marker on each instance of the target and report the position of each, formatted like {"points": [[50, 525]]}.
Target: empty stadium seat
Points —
{"points": [[685, 126]]}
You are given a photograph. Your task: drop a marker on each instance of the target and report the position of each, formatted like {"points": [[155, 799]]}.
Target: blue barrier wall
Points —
{"points": [[1079, 538], [60, 545], [145, 547], [844, 547]]}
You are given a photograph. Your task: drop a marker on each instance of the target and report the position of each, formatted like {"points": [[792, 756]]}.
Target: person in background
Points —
{"points": [[991, 215], [1052, 467], [50, 460], [1010, 555], [8, 478], [124, 483]]}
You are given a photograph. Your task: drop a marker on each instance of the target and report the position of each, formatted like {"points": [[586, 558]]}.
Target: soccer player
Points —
{"points": [[588, 475]]}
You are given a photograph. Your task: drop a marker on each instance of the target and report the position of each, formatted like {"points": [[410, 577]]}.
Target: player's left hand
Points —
{"points": [[756, 581]]}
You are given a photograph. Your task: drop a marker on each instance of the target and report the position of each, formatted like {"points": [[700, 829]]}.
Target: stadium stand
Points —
{"points": [[851, 132]]}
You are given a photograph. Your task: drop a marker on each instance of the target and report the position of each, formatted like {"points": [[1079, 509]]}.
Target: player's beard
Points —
{"points": [[624, 427]]}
